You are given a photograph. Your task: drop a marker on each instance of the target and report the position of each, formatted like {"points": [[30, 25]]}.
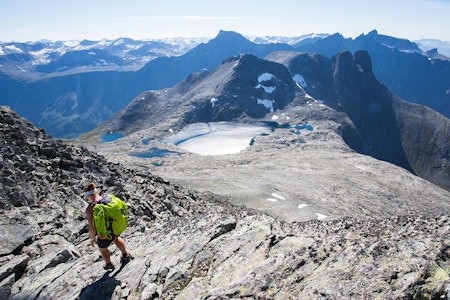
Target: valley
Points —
{"points": [[314, 174], [293, 176]]}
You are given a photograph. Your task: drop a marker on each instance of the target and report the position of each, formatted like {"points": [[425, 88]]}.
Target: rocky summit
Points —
{"points": [[197, 245]]}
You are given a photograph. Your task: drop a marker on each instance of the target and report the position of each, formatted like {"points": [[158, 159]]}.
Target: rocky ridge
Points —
{"points": [[194, 245]]}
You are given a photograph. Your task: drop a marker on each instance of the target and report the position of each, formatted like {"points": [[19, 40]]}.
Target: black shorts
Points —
{"points": [[104, 243]]}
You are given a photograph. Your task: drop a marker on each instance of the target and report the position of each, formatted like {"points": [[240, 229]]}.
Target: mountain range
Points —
{"points": [[38, 60], [373, 120], [328, 184], [77, 91]]}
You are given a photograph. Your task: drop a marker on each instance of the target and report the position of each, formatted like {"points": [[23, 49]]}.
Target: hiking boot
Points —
{"points": [[126, 258], [108, 266]]}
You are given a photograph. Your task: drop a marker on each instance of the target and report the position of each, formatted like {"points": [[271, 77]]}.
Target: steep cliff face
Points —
{"points": [[384, 126], [190, 245], [390, 128], [369, 104], [416, 76], [425, 137]]}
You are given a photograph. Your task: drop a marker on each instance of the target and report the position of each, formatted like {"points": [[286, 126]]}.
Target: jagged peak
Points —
{"points": [[373, 32], [336, 35], [226, 36], [390, 41], [362, 59]]}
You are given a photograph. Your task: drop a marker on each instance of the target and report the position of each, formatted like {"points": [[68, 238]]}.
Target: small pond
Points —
{"points": [[111, 137], [155, 152], [299, 128]]}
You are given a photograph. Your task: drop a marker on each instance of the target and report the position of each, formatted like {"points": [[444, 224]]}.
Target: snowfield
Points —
{"points": [[217, 138]]}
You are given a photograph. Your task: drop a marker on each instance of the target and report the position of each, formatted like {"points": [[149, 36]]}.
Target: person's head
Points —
{"points": [[90, 191]]}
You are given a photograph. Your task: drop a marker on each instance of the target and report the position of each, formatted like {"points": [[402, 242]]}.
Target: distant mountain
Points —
{"points": [[416, 76], [37, 60], [442, 47], [304, 39], [166, 72], [248, 88], [69, 105], [73, 96], [244, 86]]}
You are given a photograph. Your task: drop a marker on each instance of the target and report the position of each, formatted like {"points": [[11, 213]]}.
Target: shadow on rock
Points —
{"points": [[101, 289]]}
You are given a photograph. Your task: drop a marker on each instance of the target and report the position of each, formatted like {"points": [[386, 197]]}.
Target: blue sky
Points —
{"points": [[32, 20]]}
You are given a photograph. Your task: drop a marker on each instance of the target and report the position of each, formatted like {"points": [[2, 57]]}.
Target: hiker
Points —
{"points": [[103, 242]]}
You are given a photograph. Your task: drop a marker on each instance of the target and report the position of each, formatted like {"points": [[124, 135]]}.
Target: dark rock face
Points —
{"points": [[399, 64], [190, 245], [390, 128], [369, 105], [315, 69], [425, 137], [385, 126], [255, 88]]}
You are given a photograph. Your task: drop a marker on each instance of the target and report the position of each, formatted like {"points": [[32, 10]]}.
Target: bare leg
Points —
{"points": [[105, 255], [120, 243]]}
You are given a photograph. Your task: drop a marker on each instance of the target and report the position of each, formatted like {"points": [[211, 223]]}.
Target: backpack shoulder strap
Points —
{"points": [[105, 200], [100, 219]]}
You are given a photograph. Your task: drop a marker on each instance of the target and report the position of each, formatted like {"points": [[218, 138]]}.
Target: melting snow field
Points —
{"points": [[274, 197], [217, 138]]}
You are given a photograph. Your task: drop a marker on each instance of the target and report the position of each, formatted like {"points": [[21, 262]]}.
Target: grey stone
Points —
{"points": [[383, 237], [5, 286], [13, 265]]}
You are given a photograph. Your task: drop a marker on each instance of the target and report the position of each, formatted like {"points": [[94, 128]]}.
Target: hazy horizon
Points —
{"points": [[28, 20]]}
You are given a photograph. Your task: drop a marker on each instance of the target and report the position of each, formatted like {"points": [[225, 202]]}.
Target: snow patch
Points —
{"points": [[286, 117], [265, 77], [267, 103], [217, 138], [267, 89], [13, 49], [303, 205], [300, 80], [275, 195], [321, 216], [214, 102], [360, 167]]}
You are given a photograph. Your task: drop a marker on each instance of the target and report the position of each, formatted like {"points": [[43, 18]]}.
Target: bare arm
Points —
{"points": [[90, 218]]}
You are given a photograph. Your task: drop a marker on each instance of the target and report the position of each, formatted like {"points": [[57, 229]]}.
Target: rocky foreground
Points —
{"points": [[193, 245]]}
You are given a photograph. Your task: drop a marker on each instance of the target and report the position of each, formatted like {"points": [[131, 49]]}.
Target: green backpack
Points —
{"points": [[110, 217]]}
